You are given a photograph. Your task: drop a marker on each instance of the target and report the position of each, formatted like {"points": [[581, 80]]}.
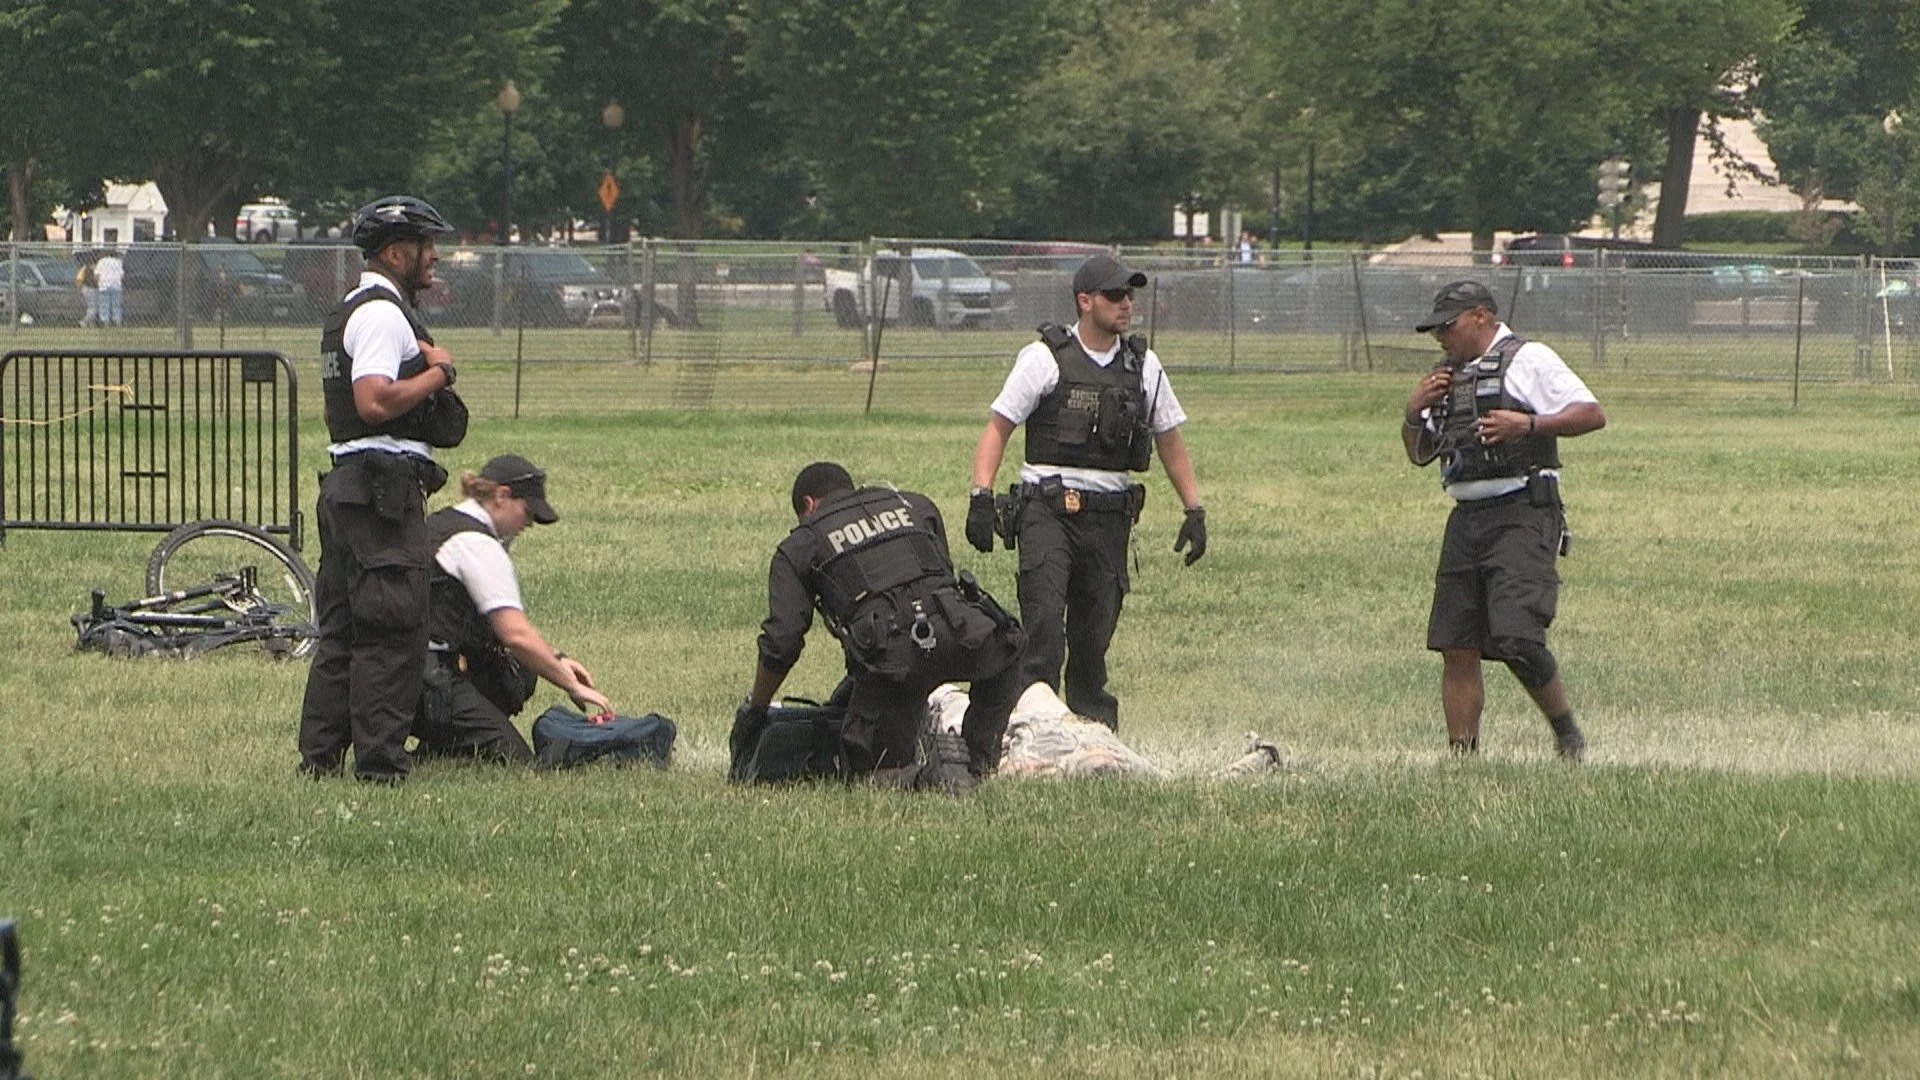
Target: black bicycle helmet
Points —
{"points": [[395, 217]]}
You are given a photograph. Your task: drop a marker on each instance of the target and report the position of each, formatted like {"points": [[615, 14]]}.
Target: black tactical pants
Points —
{"points": [[457, 721], [1073, 581], [371, 589], [886, 716]]}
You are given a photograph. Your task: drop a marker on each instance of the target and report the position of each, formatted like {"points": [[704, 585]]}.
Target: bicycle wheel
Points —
{"points": [[196, 552]]}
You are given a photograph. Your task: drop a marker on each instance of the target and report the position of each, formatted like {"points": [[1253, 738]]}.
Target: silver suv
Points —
{"points": [[266, 223]]}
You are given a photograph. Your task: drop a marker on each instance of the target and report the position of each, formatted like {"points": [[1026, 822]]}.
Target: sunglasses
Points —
{"points": [[1445, 326], [1115, 296]]}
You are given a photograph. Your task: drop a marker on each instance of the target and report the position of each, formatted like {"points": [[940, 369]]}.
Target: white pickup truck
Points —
{"points": [[932, 286]]}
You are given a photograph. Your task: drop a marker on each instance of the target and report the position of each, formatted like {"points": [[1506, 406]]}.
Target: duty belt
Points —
{"points": [[1493, 501], [428, 473], [1069, 500]]}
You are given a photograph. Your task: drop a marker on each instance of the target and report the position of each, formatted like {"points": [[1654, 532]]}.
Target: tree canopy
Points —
{"points": [[845, 118]]}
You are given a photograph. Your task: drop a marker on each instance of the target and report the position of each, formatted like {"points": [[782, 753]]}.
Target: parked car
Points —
{"points": [[327, 270], [266, 222], [224, 282], [1057, 257], [930, 286], [47, 293], [537, 287]]}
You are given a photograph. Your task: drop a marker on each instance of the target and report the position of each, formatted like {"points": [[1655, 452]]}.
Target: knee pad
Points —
{"points": [[1529, 661]]}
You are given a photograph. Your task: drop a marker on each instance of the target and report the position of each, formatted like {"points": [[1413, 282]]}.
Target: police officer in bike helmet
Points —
{"points": [[388, 399]]}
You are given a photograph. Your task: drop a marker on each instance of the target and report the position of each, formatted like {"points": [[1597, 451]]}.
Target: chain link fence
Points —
{"points": [[916, 323]]}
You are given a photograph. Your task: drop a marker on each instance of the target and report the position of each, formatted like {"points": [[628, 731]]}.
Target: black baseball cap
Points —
{"points": [[523, 480], [1104, 272], [1455, 299]]}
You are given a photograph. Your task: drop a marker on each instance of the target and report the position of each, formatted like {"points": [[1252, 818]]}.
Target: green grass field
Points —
{"points": [[1727, 889]]}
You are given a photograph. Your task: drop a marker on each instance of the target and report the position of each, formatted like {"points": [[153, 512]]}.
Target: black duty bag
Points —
{"points": [[563, 738], [801, 741]]}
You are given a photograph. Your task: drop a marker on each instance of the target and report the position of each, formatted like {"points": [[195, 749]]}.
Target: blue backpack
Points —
{"points": [[563, 738]]}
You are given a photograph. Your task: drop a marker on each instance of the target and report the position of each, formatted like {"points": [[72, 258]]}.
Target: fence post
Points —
{"points": [[499, 290], [13, 285], [1799, 327], [630, 301], [799, 294], [182, 320], [870, 341], [1232, 312], [1863, 318], [1599, 293], [1360, 307], [649, 271]]}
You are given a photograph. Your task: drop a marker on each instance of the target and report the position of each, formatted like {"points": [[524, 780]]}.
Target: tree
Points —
{"points": [[1678, 63], [329, 101], [407, 104], [41, 45], [1130, 120], [1485, 115], [906, 110], [203, 96], [675, 67], [1831, 98]]}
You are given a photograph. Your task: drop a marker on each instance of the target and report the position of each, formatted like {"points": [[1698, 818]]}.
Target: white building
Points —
{"points": [[133, 212]]}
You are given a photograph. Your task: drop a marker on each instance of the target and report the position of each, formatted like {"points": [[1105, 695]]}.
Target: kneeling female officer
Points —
{"points": [[485, 657]]}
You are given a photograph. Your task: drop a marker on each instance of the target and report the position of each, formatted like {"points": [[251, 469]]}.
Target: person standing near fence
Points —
{"points": [[110, 275], [1493, 414], [386, 390], [1096, 404], [89, 286]]}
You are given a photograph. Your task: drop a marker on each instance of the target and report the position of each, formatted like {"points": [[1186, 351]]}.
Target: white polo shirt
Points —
{"points": [[1035, 373], [379, 339], [479, 561], [1538, 379]]}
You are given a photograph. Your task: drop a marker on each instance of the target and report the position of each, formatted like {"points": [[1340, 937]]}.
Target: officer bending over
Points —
{"points": [[1096, 404], [386, 390], [1493, 415], [874, 562], [485, 658]]}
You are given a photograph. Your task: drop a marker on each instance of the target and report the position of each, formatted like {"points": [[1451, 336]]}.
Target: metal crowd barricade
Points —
{"points": [[148, 441]]}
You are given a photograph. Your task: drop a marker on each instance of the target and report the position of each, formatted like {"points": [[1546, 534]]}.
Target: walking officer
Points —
{"points": [[1493, 414], [387, 394], [874, 562], [1096, 403]]}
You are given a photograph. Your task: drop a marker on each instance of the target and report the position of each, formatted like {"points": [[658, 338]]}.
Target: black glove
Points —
{"points": [[748, 720], [1193, 531], [980, 521]]}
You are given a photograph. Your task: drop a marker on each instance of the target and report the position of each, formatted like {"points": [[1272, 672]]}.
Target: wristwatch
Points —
{"points": [[447, 369]]}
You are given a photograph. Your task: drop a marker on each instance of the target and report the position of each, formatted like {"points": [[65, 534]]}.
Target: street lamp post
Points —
{"points": [[508, 99], [611, 117], [1890, 124]]}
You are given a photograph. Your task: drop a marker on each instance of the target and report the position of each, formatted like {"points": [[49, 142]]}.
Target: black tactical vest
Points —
{"points": [[871, 546], [439, 420], [1095, 417], [1479, 386], [455, 622]]}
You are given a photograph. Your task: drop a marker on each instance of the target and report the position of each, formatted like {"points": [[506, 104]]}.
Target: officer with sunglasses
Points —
{"points": [[1096, 404], [485, 657], [1492, 413]]}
